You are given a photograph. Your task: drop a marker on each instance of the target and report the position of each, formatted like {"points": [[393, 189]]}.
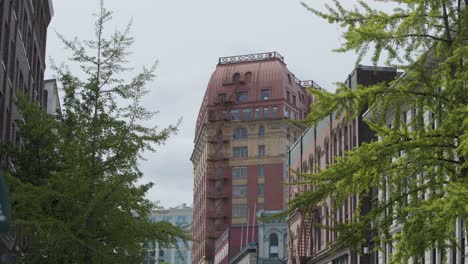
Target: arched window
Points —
{"points": [[273, 248], [248, 77], [240, 133], [236, 77], [261, 131]]}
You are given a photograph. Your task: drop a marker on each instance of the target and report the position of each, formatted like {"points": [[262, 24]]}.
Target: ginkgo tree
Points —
{"points": [[76, 194], [419, 163]]}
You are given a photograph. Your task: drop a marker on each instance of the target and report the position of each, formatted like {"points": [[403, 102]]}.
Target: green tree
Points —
{"points": [[75, 191], [422, 162]]}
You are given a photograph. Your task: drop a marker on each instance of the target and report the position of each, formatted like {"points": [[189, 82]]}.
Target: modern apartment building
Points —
{"points": [[180, 216], [242, 135], [316, 148]]}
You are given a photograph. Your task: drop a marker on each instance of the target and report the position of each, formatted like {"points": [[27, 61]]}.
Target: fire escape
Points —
{"points": [[304, 239], [218, 173]]}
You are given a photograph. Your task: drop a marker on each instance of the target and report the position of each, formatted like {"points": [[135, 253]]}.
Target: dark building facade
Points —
{"points": [[23, 34], [315, 150], [242, 136]]}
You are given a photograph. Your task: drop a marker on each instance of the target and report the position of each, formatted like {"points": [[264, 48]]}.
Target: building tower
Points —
{"points": [[240, 165]]}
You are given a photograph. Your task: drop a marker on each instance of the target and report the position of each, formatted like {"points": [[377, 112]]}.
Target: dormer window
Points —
{"points": [[248, 77], [265, 94], [236, 77], [242, 97]]}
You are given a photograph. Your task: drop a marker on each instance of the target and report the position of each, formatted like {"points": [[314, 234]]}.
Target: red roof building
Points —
{"points": [[241, 140]]}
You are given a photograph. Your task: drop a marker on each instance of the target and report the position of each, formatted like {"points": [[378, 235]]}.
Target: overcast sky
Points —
{"points": [[187, 37]]}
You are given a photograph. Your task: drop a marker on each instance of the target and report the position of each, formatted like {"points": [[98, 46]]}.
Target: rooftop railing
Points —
{"points": [[309, 83], [251, 57]]}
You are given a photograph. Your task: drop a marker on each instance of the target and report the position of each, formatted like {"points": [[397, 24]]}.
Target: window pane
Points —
{"points": [[242, 97], [235, 114], [266, 94], [274, 112], [239, 191], [240, 133], [257, 114], [261, 190], [261, 131], [266, 113], [261, 170], [239, 172], [239, 210], [246, 114], [239, 152], [221, 98], [261, 150]]}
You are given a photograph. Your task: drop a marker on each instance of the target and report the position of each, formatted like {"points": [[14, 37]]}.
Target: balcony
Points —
{"points": [[213, 177], [217, 195], [211, 213]]}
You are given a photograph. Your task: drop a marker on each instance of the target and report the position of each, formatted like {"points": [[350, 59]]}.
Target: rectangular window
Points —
{"points": [[11, 61], [5, 44], [239, 172], [20, 81], [261, 131], [222, 98], [181, 220], [239, 210], [274, 112], [286, 112], [266, 113], [261, 190], [239, 152], [260, 207], [261, 150], [246, 114], [265, 94], [257, 114], [242, 97], [234, 114], [261, 170], [24, 27], [294, 100], [239, 191], [167, 219], [288, 96]]}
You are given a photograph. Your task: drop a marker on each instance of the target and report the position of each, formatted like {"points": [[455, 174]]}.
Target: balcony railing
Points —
{"points": [[251, 57]]}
